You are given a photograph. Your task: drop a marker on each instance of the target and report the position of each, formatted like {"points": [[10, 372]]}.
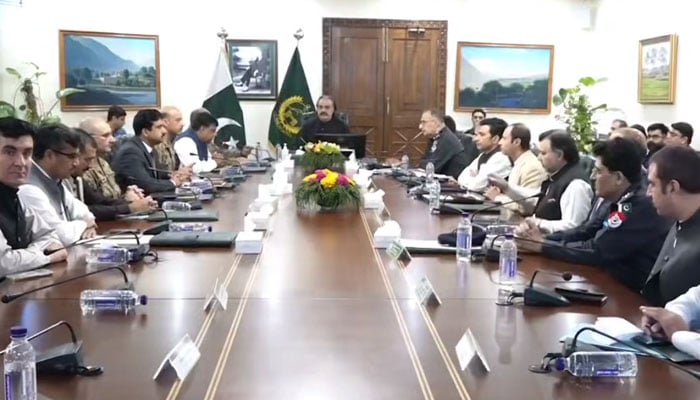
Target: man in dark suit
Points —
{"points": [[325, 121], [134, 163], [444, 149]]}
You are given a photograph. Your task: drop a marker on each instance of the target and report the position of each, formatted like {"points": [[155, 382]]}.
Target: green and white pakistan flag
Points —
{"points": [[222, 103], [293, 101]]}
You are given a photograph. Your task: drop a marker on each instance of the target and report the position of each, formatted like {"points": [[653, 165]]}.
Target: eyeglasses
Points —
{"points": [[72, 156]]}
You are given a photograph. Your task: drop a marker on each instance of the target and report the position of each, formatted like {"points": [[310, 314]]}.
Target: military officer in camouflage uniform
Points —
{"points": [[165, 153]]}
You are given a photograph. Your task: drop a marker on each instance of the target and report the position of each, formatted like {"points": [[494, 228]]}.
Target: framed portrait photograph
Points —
{"points": [[112, 69], [657, 70], [253, 66], [514, 78]]}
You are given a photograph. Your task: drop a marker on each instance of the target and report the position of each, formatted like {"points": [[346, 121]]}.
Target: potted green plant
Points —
{"points": [[32, 106], [578, 113]]}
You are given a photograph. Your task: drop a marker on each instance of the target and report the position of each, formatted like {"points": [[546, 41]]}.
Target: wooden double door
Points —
{"points": [[383, 73]]}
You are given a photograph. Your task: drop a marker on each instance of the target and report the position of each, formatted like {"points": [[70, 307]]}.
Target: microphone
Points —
{"points": [[539, 296], [564, 275], [12, 297], [492, 207], [86, 241]]}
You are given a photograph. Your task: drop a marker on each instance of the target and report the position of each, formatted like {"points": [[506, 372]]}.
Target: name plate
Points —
{"points": [[181, 358], [467, 348], [398, 251], [218, 293], [425, 294]]}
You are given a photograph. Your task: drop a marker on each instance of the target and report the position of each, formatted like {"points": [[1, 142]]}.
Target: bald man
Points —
{"points": [[100, 176], [165, 156], [638, 138]]}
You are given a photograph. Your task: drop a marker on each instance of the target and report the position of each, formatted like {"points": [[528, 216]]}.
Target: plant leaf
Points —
{"points": [[557, 100], [67, 92], [33, 64], [587, 81], [13, 72], [7, 110], [600, 107], [23, 107]]}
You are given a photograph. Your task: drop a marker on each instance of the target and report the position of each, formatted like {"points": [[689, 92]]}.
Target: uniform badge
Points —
{"points": [[615, 219], [627, 207]]}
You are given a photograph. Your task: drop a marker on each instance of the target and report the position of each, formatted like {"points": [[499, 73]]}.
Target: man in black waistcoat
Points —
{"points": [[325, 121], [24, 235], [627, 243]]}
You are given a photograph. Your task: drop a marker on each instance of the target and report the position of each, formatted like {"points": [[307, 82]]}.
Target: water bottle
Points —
{"points": [[20, 367], [124, 301], [508, 261], [616, 364], [189, 227], [404, 163], [285, 152], [433, 187], [107, 255], [464, 239], [176, 206]]}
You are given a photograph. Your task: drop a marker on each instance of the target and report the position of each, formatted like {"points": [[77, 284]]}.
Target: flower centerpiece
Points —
{"points": [[322, 155], [328, 190]]}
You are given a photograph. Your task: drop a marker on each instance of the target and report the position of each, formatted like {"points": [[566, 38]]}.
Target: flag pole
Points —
{"points": [[298, 35]]}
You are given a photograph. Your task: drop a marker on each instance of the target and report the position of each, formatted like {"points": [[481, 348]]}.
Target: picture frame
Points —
{"points": [[113, 68], [253, 66], [656, 83], [501, 77]]}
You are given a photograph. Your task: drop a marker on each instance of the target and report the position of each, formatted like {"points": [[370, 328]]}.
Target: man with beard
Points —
{"points": [[325, 121], [656, 135]]}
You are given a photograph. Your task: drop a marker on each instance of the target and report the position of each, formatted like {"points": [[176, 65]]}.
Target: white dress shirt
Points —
{"points": [[476, 179], [575, 204], [68, 231], [688, 307], [186, 150], [18, 260]]}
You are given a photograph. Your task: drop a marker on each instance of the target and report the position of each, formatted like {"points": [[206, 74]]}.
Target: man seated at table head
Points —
{"points": [[165, 153], [674, 186], [567, 192], [681, 133], [490, 160], [24, 234], [192, 148], [444, 148], [325, 121], [56, 155], [103, 208], [527, 170], [627, 243], [134, 163]]}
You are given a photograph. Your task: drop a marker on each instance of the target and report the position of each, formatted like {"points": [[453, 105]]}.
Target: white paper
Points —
{"points": [[211, 296], [221, 294], [467, 348], [424, 290], [181, 358]]}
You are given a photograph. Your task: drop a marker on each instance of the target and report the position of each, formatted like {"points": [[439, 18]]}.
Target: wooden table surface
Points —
{"points": [[322, 314]]}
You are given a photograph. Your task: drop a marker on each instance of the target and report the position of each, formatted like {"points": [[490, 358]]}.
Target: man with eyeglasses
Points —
{"points": [[24, 235], [681, 133], [56, 156]]}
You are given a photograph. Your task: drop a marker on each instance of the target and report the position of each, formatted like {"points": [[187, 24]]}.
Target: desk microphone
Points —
{"points": [[499, 205], [539, 296], [86, 241], [11, 297]]}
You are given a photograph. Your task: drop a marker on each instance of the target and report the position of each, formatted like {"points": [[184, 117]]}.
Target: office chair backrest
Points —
{"points": [[341, 116]]}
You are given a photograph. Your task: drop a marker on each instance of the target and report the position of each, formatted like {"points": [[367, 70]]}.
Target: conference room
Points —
{"points": [[307, 200]]}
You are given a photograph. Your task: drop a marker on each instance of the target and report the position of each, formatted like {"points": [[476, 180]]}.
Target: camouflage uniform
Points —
{"points": [[165, 156], [101, 179]]}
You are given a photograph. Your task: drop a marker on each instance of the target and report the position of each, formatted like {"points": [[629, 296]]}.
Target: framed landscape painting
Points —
{"points": [[253, 65], [113, 69], [513, 78], [657, 70]]}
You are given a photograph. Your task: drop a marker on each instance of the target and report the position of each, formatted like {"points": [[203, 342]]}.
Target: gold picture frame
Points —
{"points": [[112, 68], [656, 83], [500, 77]]}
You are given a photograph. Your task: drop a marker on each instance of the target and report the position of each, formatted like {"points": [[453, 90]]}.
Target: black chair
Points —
{"points": [[341, 116]]}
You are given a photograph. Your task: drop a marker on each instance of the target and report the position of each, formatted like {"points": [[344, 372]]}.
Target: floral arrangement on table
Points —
{"points": [[328, 190], [322, 155]]}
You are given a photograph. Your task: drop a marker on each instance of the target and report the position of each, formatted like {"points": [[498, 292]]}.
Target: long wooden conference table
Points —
{"points": [[322, 314]]}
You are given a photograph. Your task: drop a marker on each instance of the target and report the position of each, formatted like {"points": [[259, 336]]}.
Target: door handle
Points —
{"points": [[388, 105]]}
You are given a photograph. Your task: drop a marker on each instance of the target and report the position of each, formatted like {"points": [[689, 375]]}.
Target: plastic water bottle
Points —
{"points": [[615, 364], [92, 301], [433, 187], [107, 255], [189, 227], [285, 152], [404, 163], [508, 261], [20, 367], [464, 239], [176, 206]]}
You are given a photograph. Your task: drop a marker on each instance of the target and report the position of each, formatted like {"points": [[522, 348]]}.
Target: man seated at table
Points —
{"points": [[444, 148], [325, 121], [56, 155], [674, 186], [679, 314], [490, 161], [134, 163], [24, 234], [527, 171], [164, 152], [628, 242], [567, 193], [191, 146], [103, 208]]}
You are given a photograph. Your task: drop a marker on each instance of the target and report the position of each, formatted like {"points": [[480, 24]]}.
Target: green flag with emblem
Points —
{"points": [[223, 104], [293, 101]]}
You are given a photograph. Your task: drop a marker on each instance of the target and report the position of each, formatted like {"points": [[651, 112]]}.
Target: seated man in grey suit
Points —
{"points": [[134, 163]]}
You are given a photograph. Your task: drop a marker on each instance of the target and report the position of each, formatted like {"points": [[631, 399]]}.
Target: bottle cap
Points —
{"points": [[143, 300], [560, 364], [509, 235], [18, 331]]}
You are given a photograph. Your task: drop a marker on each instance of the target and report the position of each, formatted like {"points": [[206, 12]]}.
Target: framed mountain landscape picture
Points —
{"points": [[112, 69], [657, 70], [513, 78]]}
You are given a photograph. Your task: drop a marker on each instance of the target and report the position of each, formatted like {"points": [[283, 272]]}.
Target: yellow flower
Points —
{"points": [[329, 181], [310, 178]]}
